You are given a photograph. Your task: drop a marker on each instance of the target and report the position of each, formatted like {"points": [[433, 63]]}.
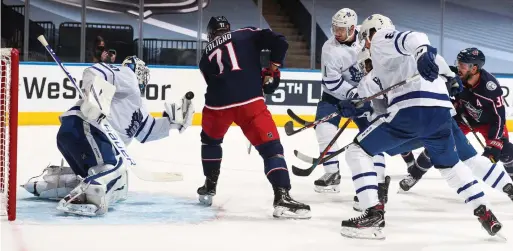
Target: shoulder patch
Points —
{"points": [[491, 86]]}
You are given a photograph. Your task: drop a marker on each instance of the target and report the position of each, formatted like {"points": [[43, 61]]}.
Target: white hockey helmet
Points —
{"points": [[344, 18], [364, 60], [376, 22], [140, 69]]}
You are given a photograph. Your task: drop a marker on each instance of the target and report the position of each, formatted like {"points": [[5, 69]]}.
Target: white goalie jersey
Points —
{"points": [[340, 73], [128, 114]]}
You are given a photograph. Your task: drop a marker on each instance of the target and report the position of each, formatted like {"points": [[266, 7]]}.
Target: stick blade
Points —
{"points": [[289, 128], [302, 172], [156, 176], [304, 157]]}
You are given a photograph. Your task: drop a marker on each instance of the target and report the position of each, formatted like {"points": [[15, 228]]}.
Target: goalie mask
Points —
{"points": [[341, 24], [141, 71]]}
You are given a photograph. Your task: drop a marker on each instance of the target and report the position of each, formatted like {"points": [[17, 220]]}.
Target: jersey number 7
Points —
{"points": [[218, 54]]}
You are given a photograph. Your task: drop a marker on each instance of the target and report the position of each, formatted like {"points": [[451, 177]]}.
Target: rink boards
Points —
{"points": [[44, 92]]}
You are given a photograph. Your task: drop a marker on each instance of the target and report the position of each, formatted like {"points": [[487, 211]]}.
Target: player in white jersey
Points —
{"points": [[419, 111], [340, 76], [97, 177]]}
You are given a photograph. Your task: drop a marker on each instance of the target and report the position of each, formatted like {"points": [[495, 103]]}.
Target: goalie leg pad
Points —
{"points": [[104, 186], [275, 166], [84, 146]]}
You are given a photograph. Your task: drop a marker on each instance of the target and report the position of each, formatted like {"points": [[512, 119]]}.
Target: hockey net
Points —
{"points": [[8, 131]]}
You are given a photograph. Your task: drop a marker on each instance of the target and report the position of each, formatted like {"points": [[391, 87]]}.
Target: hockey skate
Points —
{"points": [[328, 183], [286, 207], [488, 220], [367, 226], [508, 189], [407, 183], [208, 190]]}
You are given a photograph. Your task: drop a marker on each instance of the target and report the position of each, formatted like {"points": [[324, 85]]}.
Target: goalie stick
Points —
{"points": [[112, 135], [316, 161]]}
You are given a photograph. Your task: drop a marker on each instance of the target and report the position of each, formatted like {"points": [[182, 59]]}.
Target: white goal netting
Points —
{"points": [[8, 131]]}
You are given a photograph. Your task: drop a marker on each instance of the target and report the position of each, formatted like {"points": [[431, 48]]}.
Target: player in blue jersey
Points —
{"points": [[236, 83]]}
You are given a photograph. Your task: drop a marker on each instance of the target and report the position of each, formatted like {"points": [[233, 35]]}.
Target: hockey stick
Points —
{"points": [[112, 135], [475, 134], [289, 127], [305, 172], [472, 130], [296, 118], [316, 161]]}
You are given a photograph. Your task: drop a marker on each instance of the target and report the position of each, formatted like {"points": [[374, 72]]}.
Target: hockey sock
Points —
{"points": [[379, 165], [460, 178], [211, 156], [275, 167], [364, 176], [408, 158], [493, 174], [422, 165], [325, 133]]}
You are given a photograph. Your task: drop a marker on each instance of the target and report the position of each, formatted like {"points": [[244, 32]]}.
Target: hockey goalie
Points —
{"points": [[96, 177]]}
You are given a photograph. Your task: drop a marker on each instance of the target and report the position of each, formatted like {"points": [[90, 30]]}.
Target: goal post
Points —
{"points": [[8, 131]]}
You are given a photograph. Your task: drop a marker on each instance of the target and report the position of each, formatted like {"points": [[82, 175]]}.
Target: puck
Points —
{"points": [[189, 95]]}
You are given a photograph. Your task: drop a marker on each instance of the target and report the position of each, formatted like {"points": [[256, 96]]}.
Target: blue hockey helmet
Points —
{"points": [[472, 56], [217, 25], [140, 69]]}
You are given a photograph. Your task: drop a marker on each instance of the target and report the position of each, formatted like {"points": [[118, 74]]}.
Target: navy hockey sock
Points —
{"points": [[408, 158], [275, 166], [211, 155], [422, 165]]}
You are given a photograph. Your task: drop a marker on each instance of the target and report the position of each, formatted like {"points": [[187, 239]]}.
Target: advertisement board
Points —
{"points": [[45, 92]]}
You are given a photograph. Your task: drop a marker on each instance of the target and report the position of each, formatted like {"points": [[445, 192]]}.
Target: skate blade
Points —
{"points": [[371, 233], [327, 189], [284, 213], [501, 237], [402, 191], [79, 209], [205, 200]]}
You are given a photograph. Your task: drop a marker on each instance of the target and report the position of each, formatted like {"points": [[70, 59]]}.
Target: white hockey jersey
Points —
{"points": [[393, 62], [368, 86], [128, 114], [340, 72]]}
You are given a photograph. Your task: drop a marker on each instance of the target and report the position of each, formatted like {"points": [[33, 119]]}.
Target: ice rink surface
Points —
{"points": [[166, 216]]}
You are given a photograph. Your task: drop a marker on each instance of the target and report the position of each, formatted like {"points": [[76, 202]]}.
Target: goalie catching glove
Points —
{"points": [[179, 115]]}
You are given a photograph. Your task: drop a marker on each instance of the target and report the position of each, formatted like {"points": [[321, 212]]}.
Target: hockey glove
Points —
{"points": [[348, 108], [493, 149], [271, 80], [426, 65], [454, 86], [179, 115]]}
